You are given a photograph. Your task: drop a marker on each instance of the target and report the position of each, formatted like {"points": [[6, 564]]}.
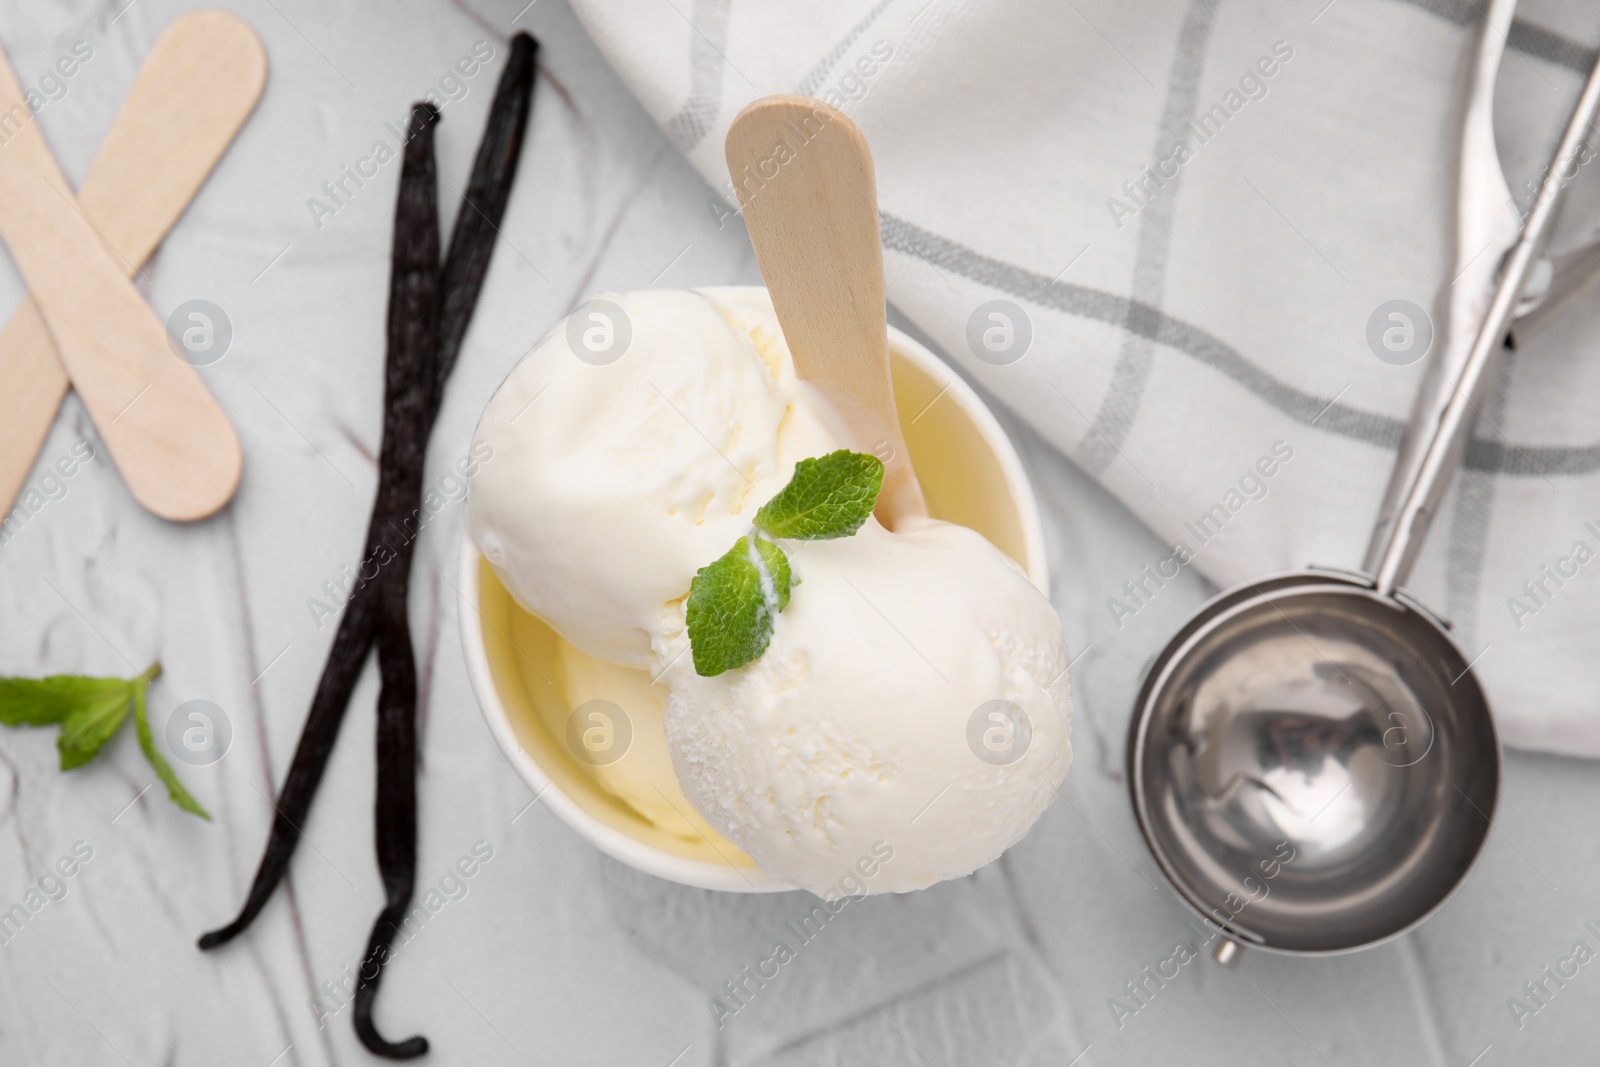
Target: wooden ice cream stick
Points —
{"points": [[804, 176], [198, 85]]}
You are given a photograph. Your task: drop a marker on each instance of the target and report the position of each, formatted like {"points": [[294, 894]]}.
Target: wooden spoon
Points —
{"points": [[804, 177], [174, 447]]}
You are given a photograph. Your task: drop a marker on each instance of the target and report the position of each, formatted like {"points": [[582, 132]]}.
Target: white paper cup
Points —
{"points": [[970, 475]]}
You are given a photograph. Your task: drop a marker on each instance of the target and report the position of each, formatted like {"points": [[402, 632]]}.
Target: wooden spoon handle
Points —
{"points": [[804, 175], [175, 448]]}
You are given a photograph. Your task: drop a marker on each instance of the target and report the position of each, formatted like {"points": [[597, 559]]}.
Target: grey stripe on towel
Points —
{"points": [[1498, 455]]}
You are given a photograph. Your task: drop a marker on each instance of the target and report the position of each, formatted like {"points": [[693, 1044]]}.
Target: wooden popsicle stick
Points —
{"points": [[805, 179], [174, 446], [32, 384], [197, 86]]}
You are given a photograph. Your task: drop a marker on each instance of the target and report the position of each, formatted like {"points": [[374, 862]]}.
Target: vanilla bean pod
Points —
{"points": [[429, 313], [408, 416], [404, 372], [471, 246], [483, 205]]}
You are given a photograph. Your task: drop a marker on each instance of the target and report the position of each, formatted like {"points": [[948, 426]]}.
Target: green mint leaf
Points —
{"points": [[732, 603], [141, 722], [89, 710], [828, 497], [776, 565], [89, 725], [44, 701]]}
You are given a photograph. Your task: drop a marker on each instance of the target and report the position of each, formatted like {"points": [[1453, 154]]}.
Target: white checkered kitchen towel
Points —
{"points": [[1198, 207]]}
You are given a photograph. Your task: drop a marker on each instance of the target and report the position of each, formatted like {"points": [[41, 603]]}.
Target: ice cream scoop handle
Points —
{"points": [[1449, 425]]}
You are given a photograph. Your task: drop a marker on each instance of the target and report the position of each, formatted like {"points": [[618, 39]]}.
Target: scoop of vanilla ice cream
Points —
{"points": [[914, 694], [641, 776], [610, 479]]}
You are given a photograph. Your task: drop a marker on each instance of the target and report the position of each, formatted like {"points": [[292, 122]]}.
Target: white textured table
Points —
{"points": [[556, 954]]}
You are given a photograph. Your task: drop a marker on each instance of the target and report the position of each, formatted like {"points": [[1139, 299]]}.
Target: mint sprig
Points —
{"points": [[733, 601], [730, 606], [827, 497], [89, 710]]}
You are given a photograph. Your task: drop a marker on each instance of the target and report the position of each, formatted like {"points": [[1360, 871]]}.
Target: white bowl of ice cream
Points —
{"points": [[595, 501]]}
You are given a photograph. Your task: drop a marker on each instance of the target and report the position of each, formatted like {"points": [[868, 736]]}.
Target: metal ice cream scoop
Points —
{"points": [[1311, 759]]}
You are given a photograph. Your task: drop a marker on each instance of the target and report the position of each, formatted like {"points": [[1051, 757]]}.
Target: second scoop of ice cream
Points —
{"points": [[914, 693]]}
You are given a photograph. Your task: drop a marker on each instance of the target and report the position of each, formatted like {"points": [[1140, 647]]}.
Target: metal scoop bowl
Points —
{"points": [[1313, 763], [1311, 760]]}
